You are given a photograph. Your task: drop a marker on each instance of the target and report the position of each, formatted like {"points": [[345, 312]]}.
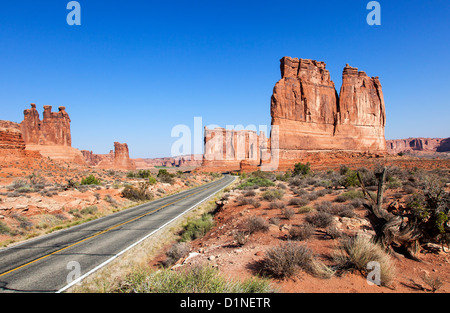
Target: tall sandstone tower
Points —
{"points": [[312, 117], [50, 136]]}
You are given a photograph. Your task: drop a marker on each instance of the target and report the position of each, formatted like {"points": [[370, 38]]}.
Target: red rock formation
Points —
{"points": [[308, 116], [122, 157], [311, 117], [31, 126], [225, 149], [119, 158], [54, 129], [11, 136], [50, 137], [413, 145]]}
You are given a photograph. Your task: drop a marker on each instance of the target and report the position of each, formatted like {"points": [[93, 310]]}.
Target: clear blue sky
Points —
{"points": [[134, 69]]}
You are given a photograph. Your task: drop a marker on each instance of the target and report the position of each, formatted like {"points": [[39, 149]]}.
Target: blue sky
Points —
{"points": [[134, 69]]}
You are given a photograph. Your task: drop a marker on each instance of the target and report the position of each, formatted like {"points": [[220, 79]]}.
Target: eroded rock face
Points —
{"points": [[122, 157], [418, 145], [50, 136], [119, 158], [311, 117], [11, 136], [226, 148], [53, 130]]}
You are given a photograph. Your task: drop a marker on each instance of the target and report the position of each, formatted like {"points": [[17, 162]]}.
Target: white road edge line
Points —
{"points": [[137, 242]]}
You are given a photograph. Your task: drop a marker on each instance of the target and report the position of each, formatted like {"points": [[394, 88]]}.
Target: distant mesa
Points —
{"points": [[418, 145]]}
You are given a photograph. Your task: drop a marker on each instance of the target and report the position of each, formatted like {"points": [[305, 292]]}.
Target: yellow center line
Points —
{"points": [[106, 230]]}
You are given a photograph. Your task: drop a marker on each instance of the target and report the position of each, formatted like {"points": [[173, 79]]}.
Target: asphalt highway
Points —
{"points": [[53, 262]]}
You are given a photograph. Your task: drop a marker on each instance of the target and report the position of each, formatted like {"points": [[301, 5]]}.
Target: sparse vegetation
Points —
{"points": [[90, 180], [357, 252], [255, 224], [200, 279], [197, 228]]}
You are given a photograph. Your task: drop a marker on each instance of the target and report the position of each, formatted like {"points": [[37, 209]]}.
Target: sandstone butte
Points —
{"points": [[308, 117]]}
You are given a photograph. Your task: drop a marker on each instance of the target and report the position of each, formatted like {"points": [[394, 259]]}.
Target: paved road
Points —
{"points": [[44, 263]]}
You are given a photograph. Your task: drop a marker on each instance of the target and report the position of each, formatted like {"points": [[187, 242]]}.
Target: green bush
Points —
{"points": [[165, 177], [90, 180], [256, 182], [152, 180], [301, 169], [197, 228], [273, 194], [350, 179]]}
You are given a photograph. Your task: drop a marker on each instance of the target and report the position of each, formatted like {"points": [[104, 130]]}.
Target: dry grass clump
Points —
{"points": [[358, 252]]}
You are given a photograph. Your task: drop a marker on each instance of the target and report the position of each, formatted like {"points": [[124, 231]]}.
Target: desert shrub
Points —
{"points": [[272, 194], [350, 195], [199, 279], [243, 201], [140, 193], [276, 205], [256, 181], [357, 203], [249, 193], [18, 183], [358, 251], [301, 169], [89, 210], [297, 182], [323, 206], [333, 232], [197, 228], [298, 201], [323, 192], [90, 180], [301, 232], [305, 209], [393, 182], [409, 189], [241, 237], [255, 203], [285, 260], [4, 229], [274, 221], [152, 180], [312, 196], [350, 179], [165, 177], [320, 219], [434, 282], [300, 192], [288, 213], [176, 252], [255, 224], [110, 200]]}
